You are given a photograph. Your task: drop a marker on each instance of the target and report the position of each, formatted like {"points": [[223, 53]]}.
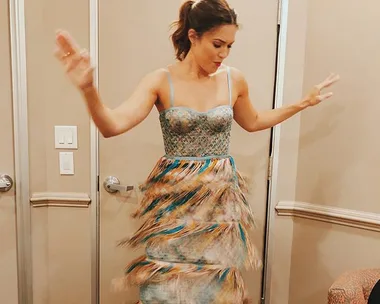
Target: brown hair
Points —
{"points": [[202, 16]]}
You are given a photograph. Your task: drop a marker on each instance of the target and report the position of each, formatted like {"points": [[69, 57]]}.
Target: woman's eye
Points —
{"points": [[217, 45]]}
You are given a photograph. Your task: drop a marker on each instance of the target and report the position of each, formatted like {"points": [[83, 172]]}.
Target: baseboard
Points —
{"points": [[340, 216]]}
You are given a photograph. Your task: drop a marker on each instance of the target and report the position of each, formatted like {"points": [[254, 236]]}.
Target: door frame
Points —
{"points": [[21, 150], [293, 16], [94, 161], [278, 144], [275, 149]]}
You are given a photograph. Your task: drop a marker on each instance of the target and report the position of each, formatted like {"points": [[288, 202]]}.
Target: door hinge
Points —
{"points": [[279, 11], [270, 167], [262, 301], [97, 183]]}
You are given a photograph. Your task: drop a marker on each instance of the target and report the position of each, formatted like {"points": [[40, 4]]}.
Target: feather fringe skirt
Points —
{"points": [[196, 222]]}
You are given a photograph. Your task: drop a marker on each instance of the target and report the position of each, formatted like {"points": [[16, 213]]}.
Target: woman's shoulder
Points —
{"points": [[238, 78], [155, 78], [157, 74], [236, 73]]}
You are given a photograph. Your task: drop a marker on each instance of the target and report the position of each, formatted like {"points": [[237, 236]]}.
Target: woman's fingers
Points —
{"points": [[81, 59], [61, 55], [66, 43], [331, 79], [85, 56], [73, 63], [324, 96], [58, 54]]}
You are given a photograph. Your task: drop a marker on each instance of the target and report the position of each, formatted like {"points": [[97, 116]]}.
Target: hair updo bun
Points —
{"points": [[202, 16]]}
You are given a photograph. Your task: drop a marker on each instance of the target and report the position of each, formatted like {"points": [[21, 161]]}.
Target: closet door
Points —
{"points": [[134, 40]]}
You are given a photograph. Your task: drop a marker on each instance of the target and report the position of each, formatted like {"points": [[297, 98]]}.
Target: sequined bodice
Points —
{"points": [[190, 133]]}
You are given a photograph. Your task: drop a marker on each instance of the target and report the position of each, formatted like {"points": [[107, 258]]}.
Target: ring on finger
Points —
{"points": [[66, 55]]}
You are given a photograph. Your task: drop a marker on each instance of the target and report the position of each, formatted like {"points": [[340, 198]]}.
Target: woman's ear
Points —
{"points": [[192, 36]]}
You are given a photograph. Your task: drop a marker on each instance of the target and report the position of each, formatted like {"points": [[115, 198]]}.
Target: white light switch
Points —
{"points": [[69, 138], [66, 137], [66, 163]]}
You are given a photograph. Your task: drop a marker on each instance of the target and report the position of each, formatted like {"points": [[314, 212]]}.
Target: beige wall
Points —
{"points": [[339, 156], [338, 153], [322, 251]]}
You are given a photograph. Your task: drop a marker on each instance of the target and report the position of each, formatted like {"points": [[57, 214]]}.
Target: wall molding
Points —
{"points": [[60, 199], [340, 216]]}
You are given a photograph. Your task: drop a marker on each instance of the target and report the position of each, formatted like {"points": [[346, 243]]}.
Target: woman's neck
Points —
{"points": [[192, 68]]}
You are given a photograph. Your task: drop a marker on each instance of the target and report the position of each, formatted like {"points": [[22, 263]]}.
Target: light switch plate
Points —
{"points": [[66, 163], [66, 137]]}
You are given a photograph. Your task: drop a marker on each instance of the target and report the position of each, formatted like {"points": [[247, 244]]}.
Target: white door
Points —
{"points": [[8, 252], [134, 40]]}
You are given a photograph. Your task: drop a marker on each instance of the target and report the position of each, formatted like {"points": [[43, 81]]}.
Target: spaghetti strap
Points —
{"points": [[171, 88], [229, 85]]}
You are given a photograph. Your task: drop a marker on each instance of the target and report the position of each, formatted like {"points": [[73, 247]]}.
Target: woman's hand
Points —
{"points": [[76, 62], [316, 96]]}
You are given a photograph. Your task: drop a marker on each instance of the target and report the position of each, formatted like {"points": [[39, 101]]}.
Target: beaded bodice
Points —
{"points": [[190, 133]]}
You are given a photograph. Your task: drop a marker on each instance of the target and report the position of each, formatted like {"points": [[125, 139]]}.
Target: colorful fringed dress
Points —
{"points": [[196, 216]]}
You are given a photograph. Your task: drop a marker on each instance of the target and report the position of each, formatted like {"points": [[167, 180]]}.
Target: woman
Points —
{"points": [[196, 217]]}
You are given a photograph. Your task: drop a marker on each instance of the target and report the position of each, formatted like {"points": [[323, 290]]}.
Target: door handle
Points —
{"points": [[6, 182], [112, 185]]}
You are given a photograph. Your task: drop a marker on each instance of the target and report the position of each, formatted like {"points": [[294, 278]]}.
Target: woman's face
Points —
{"points": [[213, 47]]}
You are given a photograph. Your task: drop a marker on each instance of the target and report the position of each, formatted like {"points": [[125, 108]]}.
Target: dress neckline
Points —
{"points": [[193, 110]]}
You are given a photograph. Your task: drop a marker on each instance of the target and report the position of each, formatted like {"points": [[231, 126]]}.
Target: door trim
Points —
{"points": [[94, 161], [274, 153], [21, 150], [289, 89]]}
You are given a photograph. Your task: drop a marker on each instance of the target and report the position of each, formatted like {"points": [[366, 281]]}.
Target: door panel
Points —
{"points": [[54, 101], [130, 46], [8, 252]]}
